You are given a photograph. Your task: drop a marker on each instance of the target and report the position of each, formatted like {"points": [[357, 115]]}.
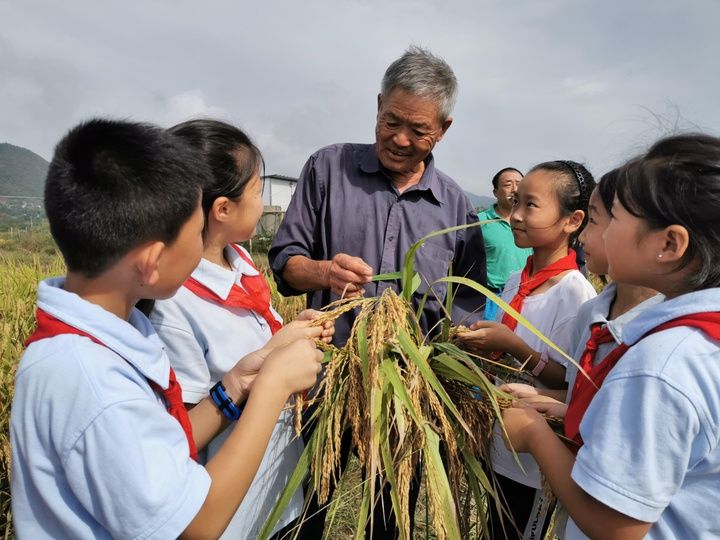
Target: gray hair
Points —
{"points": [[423, 74]]}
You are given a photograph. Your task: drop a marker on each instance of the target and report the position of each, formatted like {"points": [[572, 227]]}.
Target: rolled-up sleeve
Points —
{"points": [[299, 231]]}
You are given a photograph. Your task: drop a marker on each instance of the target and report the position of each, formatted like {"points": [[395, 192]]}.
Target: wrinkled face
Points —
{"points": [[535, 219], [592, 235], [247, 210], [507, 186], [407, 129], [180, 258]]}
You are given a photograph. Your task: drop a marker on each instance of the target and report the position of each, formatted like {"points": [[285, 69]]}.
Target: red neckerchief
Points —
{"points": [[48, 326], [584, 390], [254, 294], [529, 284]]}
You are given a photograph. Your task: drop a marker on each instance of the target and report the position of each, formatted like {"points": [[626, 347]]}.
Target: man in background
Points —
{"points": [[502, 255]]}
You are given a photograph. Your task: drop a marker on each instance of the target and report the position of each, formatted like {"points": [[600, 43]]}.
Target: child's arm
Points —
{"points": [[206, 419], [286, 370], [523, 391], [492, 336], [529, 432]]}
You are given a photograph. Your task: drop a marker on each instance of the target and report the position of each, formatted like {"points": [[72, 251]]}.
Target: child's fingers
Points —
{"points": [[297, 323], [478, 325], [308, 315], [312, 332]]}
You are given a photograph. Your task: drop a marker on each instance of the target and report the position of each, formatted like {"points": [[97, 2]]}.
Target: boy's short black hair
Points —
{"points": [[113, 185]]}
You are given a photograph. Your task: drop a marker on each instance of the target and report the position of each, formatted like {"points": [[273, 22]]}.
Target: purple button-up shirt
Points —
{"points": [[346, 203]]}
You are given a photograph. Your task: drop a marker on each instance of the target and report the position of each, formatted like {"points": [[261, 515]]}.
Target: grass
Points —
{"points": [[25, 259]]}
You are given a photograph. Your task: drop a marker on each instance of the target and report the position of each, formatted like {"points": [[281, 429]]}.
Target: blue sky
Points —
{"points": [[591, 81]]}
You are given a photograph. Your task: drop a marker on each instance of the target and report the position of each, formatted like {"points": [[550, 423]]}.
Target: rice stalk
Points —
{"points": [[411, 402]]}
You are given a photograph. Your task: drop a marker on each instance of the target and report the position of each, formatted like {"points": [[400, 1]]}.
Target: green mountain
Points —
{"points": [[480, 201], [22, 172]]}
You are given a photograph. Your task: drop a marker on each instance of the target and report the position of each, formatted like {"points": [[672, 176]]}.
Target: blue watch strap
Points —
{"points": [[224, 403]]}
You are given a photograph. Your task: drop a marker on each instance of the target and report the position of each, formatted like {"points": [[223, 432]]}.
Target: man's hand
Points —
{"points": [[345, 275]]}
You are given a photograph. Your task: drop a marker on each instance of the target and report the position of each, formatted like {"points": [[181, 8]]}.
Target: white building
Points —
{"points": [[278, 190]]}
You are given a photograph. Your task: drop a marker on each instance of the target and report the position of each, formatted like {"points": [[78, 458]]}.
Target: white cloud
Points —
{"points": [[190, 104]]}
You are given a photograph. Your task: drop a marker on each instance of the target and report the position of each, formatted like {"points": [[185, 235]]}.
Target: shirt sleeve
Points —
{"points": [[132, 470], [469, 261], [563, 333], [299, 232], [638, 433], [186, 354]]}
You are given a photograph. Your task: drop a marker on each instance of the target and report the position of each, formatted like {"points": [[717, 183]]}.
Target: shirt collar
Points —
{"points": [[220, 280], [707, 300], [134, 340], [370, 164], [600, 309], [491, 212]]}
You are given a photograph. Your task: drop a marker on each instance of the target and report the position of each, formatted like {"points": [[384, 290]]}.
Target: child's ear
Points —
{"points": [[675, 242], [148, 262], [220, 209], [574, 221]]}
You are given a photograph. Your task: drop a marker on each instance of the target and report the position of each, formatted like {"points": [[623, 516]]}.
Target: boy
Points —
{"points": [[95, 453]]}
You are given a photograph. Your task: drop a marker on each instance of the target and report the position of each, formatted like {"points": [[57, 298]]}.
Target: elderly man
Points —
{"points": [[359, 207]]}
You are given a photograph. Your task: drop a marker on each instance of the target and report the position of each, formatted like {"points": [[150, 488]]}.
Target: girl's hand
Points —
{"points": [[239, 380], [328, 328], [525, 426], [293, 367], [519, 390], [489, 336], [292, 331], [546, 405]]}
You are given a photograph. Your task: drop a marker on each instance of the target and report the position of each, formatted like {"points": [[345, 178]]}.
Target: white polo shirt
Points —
{"points": [[552, 312], [204, 340], [652, 432], [95, 453]]}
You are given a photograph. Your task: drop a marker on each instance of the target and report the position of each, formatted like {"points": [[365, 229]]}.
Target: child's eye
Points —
{"points": [[514, 201], [531, 205], [591, 220]]}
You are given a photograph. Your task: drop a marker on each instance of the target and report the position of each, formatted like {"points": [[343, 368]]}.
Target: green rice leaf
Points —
{"points": [[408, 269], [294, 483], [389, 276], [509, 310], [389, 369], [414, 354], [438, 481]]}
